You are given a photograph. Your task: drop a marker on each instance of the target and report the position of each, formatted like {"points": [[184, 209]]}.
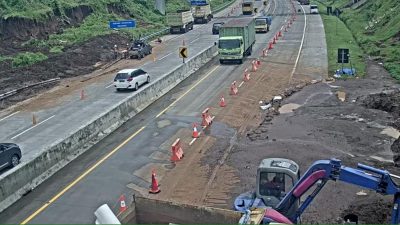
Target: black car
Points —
{"points": [[216, 27], [10, 154], [139, 49]]}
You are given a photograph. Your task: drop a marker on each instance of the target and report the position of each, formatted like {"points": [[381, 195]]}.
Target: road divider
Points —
{"points": [[31, 172], [206, 118]]}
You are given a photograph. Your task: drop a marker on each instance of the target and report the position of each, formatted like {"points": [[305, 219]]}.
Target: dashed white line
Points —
{"points": [[12, 114], [110, 85], [301, 45], [194, 40], [32, 127], [164, 56], [241, 84]]}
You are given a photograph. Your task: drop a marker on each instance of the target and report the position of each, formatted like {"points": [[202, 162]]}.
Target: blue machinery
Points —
{"points": [[288, 210]]}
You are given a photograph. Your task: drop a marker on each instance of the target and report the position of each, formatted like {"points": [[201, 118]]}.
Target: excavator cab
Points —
{"points": [[275, 178]]}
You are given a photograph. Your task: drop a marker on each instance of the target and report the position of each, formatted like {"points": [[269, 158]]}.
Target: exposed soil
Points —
{"points": [[317, 126], [76, 61]]}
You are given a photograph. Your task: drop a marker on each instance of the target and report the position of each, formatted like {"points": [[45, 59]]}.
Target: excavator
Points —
{"points": [[280, 188]]}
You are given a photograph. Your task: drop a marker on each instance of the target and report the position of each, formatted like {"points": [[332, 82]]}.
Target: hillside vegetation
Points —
{"points": [[96, 23], [375, 26]]}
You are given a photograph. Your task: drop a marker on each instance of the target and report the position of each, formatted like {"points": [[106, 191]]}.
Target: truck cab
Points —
{"points": [[262, 24], [231, 48], [248, 7]]}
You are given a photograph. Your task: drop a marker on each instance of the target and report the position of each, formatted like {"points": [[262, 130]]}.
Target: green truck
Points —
{"points": [[236, 39], [180, 21]]}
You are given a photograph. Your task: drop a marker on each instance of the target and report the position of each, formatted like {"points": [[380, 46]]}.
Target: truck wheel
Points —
{"points": [[221, 61], [240, 61]]}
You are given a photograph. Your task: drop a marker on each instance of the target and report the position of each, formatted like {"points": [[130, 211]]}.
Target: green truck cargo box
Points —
{"points": [[236, 39]]}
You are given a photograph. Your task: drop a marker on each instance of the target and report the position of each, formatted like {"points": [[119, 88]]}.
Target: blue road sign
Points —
{"points": [[198, 2], [122, 24]]}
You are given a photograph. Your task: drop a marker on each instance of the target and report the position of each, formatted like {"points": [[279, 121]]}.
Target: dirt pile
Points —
{"points": [[370, 209], [388, 101]]}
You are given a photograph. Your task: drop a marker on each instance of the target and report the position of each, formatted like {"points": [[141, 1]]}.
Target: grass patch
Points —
{"points": [[27, 58], [339, 36], [376, 27]]}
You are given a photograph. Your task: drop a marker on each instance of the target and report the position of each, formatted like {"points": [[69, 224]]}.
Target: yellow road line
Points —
{"points": [[41, 209], [33, 215], [191, 88]]}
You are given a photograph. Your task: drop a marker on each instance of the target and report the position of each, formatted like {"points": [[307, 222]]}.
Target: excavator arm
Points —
{"points": [[324, 170]]}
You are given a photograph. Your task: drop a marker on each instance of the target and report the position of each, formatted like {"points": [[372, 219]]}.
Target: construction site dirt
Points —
{"points": [[311, 123]]}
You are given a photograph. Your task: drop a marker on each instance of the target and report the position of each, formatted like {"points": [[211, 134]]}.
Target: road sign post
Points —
{"points": [[183, 53]]}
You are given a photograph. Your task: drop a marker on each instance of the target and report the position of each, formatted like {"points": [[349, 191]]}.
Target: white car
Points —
{"points": [[313, 9], [131, 79]]}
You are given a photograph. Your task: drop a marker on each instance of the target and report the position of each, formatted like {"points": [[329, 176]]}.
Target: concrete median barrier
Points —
{"points": [[31, 172]]}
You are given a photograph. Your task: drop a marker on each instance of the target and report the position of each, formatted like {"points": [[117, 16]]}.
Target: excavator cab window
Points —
{"points": [[275, 184]]}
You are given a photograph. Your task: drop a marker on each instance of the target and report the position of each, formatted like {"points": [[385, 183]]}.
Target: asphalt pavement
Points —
{"points": [[145, 139]]}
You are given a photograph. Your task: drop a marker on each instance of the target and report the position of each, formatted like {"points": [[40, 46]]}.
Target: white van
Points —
{"points": [[313, 9]]}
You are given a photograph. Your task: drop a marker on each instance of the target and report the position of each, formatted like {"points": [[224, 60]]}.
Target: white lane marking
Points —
{"points": [[12, 114], [32, 127], [241, 84], [301, 45], [194, 139], [194, 40], [110, 85], [165, 56]]}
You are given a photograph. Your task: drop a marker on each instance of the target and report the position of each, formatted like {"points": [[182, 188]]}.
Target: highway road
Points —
{"points": [[64, 199]]}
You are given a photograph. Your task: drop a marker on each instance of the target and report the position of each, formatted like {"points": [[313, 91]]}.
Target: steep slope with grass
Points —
{"points": [[375, 26]]}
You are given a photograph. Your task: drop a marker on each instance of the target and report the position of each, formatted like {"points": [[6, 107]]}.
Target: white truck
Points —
{"points": [[180, 21], [202, 13]]}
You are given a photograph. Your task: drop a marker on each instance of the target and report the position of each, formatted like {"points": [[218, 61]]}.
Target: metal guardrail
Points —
{"points": [[15, 91]]}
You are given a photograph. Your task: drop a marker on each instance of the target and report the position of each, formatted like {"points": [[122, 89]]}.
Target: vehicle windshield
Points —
{"points": [[229, 44], [217, 25], [121, 76], [246, 4], [275, 184], [261, 22], [313, 7]]}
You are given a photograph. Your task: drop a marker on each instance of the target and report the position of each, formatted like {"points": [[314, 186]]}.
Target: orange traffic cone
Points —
{"points": [[122, 205], [195, 132], [274, 40], [222, 102], [253, 66], [154, 189], [270, 46], [280, 34], [258, 62]]}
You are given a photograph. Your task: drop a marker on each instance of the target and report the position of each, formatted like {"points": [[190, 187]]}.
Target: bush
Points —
{"points": [[27, 58]]}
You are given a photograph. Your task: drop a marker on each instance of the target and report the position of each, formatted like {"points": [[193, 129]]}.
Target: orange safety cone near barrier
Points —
{"points": [[122, 204], [253, 66], [246, 76], [258, 61], [82, 94], [177, 152], [280, 34], [206, 118], [274, 41], [264, 53], [270, 46], [155, 188], [222, 102], [234, 89], [195, 132]]}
